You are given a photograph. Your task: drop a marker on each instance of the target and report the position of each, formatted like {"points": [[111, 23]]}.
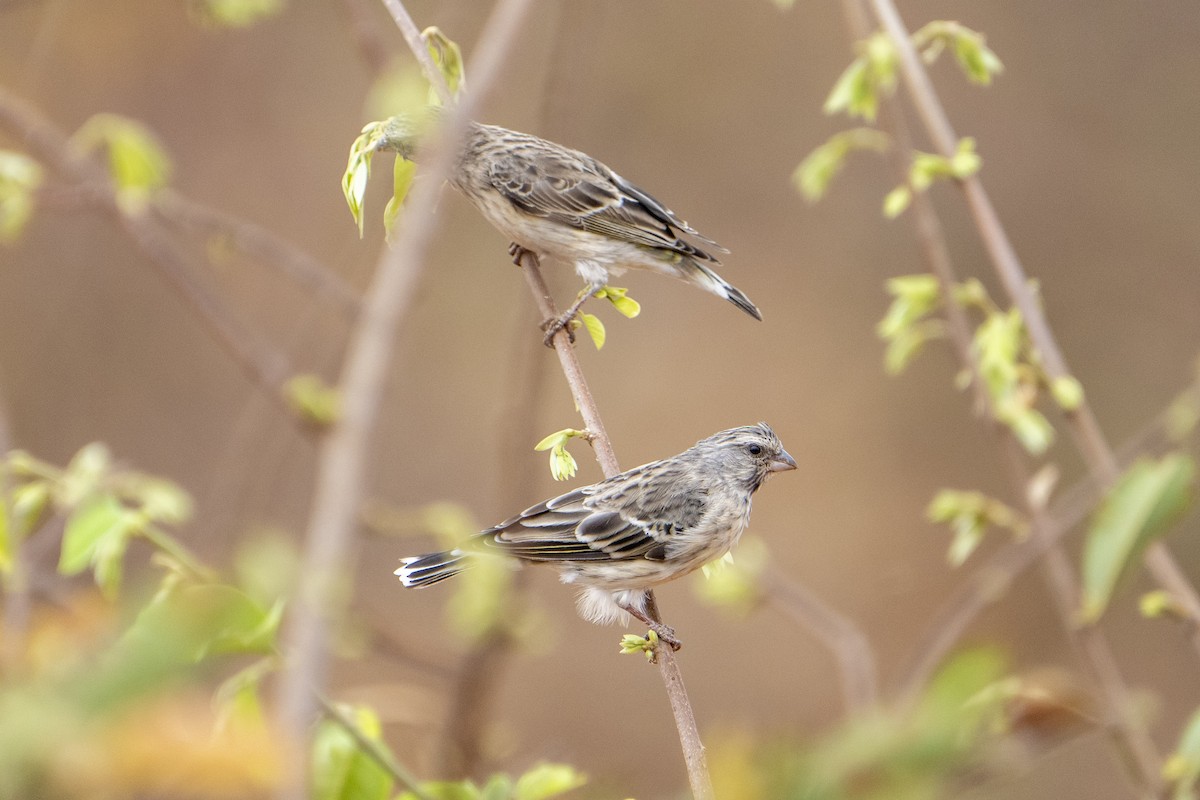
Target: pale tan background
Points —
{"points": [[1090, 151]]}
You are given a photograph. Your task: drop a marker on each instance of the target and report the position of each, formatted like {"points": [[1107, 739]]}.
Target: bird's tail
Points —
{"points": [[430, 568], [693, 271]]}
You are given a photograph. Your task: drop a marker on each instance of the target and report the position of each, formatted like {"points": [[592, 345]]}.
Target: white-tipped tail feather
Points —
{"points": [[430, 568]]}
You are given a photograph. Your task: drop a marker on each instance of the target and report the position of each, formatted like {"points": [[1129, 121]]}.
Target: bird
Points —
{"points": [[629, 533], [558, 202]]}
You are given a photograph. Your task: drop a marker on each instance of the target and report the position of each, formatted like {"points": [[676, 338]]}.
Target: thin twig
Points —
{"points": [[849, 645], [260, 244], [341, 469], [372, 748], [1129, 736], [461, 748], [991, 581], [681, 707], [264, 366], [412, 36], [373, 47], [1085, 430]]}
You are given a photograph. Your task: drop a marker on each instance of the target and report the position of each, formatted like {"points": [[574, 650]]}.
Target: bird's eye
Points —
{"points": [[755, 450]]}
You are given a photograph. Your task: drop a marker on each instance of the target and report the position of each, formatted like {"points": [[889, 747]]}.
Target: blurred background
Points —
{"points": [[1090, 154]]}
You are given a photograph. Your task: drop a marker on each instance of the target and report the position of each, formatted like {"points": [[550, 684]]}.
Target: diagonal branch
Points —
{"points": [[1089, 438], [681, 707], [1130, 738], [262, 365]]}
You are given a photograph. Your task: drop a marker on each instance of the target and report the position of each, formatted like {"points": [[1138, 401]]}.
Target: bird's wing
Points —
{"points": [[583, 525], [546, 180]]}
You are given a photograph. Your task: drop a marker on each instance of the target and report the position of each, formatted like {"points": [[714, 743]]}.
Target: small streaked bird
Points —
{"points": [[559, 202], [619, 537]]}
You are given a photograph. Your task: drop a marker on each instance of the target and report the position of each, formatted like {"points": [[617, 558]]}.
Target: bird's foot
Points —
{"points": [[665, 633], [517, 252], [555, 324]]}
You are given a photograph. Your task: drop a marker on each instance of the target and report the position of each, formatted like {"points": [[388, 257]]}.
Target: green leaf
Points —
{"points": [[562, 463], [478, 605], [446, 790], [622, 302], [978, 63], [358, 169], [1068, 392], [99, 519], [137, 163], [448, 57], [1140, 508], [594, 327], [20, 177], [237, 697], [83, 476], [547, 780], [233, 13], [313, 400], [969, 515], [1182, 768], [403, 172], [914, 296], [818, 169], [159, 499], [897, 201], [340, 770], [852, 92]]}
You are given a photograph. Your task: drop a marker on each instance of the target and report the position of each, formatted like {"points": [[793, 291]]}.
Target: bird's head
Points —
{"points": [[747, 455], [403, 133]]}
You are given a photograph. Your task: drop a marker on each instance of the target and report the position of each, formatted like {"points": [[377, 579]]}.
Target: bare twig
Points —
{"points": [[681, 707], [265, 367], [260, 244], [461, 749], [372, 748], [1089, 439], [1128, 734], [374, 48], [991, 581], [849, 645], [412, 36], [341, 470]]}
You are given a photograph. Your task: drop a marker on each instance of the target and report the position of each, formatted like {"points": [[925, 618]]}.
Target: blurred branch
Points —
{"points": [[849, 645], [264, 366], [681, 707], [991, 581], [260, 244], [374, 48], [412, 36], [461, 748], [341, 470], [1089, 438], [373, 749], [1129, 735]]}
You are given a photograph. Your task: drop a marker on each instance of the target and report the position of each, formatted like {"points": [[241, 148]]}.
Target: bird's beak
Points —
{"points": [[782, 462]]}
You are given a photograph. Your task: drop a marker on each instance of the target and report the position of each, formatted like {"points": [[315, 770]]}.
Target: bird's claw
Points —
{"points": [[555, 324], [517, 252], [667, 634]]}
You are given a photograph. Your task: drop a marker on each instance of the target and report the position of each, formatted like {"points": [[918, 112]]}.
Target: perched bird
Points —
{"points": [[562, 203], [624, 535]]}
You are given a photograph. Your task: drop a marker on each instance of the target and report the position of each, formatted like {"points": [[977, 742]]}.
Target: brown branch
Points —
{"points": [[262, 245], [412, 36], [371, 44], [681, 707], [341, 470], [989, 582], [260, 363], [849, 645], [1089, 438], [377, 753], [461, 748], [1129, 736]]}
